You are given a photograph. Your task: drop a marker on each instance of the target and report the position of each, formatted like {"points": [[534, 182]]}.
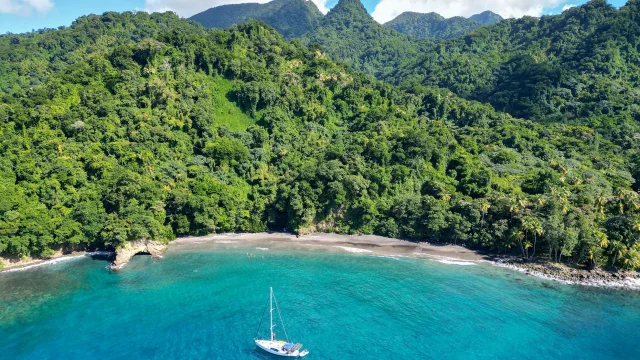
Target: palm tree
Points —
{"points": [[537, 231], [484, 207], [533, 226], [631, 260], [618, 249], [527, 226], [603, 240], [601, 202], [593, 256], [519, 237]]}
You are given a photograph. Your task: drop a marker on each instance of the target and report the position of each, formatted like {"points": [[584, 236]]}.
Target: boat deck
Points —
{"points": [[276, 347]]}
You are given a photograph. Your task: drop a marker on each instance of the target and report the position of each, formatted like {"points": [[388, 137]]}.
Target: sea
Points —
{"points": [[207, 303]]}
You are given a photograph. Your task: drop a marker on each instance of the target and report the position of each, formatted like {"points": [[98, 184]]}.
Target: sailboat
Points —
{"points": [[273, 346]]}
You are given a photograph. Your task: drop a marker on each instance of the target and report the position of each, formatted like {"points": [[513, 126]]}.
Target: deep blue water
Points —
{"points": [[206, 304]]}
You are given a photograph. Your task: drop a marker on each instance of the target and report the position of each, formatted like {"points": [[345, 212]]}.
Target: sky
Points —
{"points": [[18, 16]]}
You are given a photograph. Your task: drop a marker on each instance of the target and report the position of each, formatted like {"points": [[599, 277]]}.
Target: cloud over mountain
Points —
{"points": [[188, 8], [387, 10]]}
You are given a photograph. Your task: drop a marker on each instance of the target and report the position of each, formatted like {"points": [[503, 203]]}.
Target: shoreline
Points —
{"points": [[355, 244], [447, 254], [31, 263], [373, 245], [571, 276]]}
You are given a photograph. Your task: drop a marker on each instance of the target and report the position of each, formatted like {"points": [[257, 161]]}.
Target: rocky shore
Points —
{"points": [[120, 257], [571, 275], [15, 264], [133, 248]]}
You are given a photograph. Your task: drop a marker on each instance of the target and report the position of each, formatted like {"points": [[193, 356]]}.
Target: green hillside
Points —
{"points": [[129, 126], [350, 35]]}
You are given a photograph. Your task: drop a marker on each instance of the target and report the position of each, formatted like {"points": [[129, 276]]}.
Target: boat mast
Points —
{"points": [[271, 311]]}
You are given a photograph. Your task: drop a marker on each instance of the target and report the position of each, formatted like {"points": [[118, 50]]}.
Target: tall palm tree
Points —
{"points": [[527, 226], [538, 230], [519, 237], [618, 249], [602, 238], [484, 207]]}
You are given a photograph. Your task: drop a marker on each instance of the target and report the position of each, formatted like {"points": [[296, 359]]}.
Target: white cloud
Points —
{"points": [[387, 10], [25, 7], [568, 6], [187, 8], [322, 5]]}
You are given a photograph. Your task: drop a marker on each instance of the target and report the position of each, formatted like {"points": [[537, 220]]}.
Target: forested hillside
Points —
{"points": [[349, 34], [129, 126], [434, 26], [573, 67], [291, 18]]}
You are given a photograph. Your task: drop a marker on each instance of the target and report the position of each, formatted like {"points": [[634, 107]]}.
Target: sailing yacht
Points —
{"points": [[273, 346]]}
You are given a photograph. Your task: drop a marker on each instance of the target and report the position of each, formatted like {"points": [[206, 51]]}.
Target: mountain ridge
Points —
{"points": [[291, 18], [433, 25]]}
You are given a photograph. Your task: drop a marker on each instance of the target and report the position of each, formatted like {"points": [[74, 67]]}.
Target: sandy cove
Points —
{"points": [[382, 246], [365, 245], [357, 244]]}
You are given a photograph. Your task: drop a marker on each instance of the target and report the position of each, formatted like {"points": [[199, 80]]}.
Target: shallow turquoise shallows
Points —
{"points": [[206, 304]]}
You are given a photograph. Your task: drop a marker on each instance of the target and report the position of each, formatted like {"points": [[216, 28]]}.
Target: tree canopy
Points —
{"points": [[129, 126]]}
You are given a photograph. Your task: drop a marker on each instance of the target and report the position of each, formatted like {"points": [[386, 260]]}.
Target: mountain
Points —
{"points": [[487, 18], [434, 26], [291, 18], [572, 67], [350, 35]]}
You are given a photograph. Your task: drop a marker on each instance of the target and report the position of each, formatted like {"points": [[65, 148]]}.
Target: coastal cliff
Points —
{"points": [[133, 248]]}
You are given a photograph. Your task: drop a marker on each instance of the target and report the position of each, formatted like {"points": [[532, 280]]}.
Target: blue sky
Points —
{"points": [[18, 16]]}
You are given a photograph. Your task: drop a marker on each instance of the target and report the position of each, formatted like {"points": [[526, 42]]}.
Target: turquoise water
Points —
{"points": [[206, 304]]}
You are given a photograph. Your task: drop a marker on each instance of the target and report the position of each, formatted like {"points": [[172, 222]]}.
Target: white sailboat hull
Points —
{"points": [[275, 347]]}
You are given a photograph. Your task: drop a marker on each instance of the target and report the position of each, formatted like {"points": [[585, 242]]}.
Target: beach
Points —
{"points": [[370, 245], [356, 244]]}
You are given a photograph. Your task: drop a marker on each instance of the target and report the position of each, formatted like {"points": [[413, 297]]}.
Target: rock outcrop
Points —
{"points": [[133, 248], [571, 275]]}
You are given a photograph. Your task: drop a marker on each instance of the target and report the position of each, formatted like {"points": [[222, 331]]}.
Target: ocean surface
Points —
{"points": [[207, 303]]}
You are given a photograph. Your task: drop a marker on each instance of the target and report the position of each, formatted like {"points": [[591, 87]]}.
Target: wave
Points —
{"points": [[457, 262], [61, 259], [628, 283], [43, 263], [353, 250], [261, 248], [395, 257]]}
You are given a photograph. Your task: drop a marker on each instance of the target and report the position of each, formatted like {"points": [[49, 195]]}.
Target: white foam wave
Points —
{"points": [[397, 257], [263, 249], [454, 262], [46, 262], [353, 250], [628, 283], [100, 253]]}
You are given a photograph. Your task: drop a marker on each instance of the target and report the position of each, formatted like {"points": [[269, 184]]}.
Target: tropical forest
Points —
{"points": [[518, 137]]}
